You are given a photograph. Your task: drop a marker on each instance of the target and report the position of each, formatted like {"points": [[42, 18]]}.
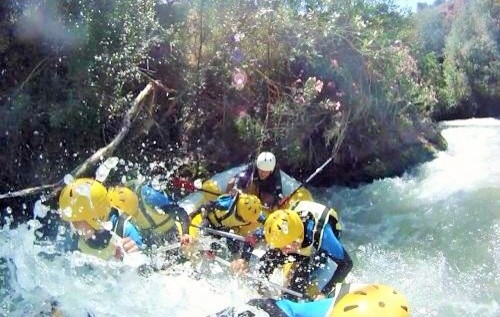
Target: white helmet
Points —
{"points": [[266, 161]]}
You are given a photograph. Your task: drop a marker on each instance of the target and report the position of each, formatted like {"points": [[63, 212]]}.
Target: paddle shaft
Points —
{"points": [[316, 172], [221, 233]]}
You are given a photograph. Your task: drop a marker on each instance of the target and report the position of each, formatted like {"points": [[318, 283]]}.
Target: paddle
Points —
{"points": [[221, 233], [316, 172]]}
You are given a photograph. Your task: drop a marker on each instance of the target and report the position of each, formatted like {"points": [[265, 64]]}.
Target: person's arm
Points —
{"points": [[242, 179], [236, 181], [204, 210], [331, 245], [131, 231], [334, 249], [278, 193], [251, 241], [269, 261]]}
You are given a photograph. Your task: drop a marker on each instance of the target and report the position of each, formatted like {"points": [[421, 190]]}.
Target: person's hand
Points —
{"points": [[125, 245], [186, 240], [239, 266], [129, 245], [320, 296]]}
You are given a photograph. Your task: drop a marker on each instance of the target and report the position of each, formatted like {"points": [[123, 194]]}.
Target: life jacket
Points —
{"points": [[151, 216], [321, 215], [221, 214], [101, 246]]}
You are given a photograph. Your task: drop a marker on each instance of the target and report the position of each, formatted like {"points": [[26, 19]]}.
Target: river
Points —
{"points": [[433, 234]]}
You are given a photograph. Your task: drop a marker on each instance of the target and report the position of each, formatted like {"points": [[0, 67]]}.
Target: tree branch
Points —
{"points": [[103, 152]]}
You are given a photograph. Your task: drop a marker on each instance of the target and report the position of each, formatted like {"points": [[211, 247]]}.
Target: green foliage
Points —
{"points": [[308, 65], [250, 129], [431, 30], [472, 56], [284, 75], [432, 73]]}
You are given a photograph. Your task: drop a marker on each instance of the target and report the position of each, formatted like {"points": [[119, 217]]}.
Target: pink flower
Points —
{"points": [[318, 86], [239, 79]]}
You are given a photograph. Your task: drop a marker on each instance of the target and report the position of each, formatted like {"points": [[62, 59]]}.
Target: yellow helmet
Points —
{"points": [[372, 300], [248, 207], [211, 189], [301, 194], [84, 199], [283, 227], [124, 199]]}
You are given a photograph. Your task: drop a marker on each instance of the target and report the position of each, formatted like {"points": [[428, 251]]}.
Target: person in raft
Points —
{"points": [[306, 235], [262, 179], [160, 219], [101, 230], [239, 214]]}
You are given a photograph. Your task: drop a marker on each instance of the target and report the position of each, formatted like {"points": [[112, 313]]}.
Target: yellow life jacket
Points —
{"points": [[321, 215], [221, 218], [107, 251], [153, 219]]}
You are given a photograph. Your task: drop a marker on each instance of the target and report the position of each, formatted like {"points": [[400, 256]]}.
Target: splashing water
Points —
{"points": [[106, 167], [34, 275]]}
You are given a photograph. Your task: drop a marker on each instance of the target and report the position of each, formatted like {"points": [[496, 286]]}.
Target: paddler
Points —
{"points": [[238, 214], [160, 219], [262, 179], [307, 236], [102, 231]]}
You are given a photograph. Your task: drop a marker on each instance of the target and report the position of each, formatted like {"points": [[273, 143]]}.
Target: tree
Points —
{"points": [[472, 58]]}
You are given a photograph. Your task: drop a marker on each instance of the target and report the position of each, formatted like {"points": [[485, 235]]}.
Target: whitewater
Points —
{"points": [[433, 234]]}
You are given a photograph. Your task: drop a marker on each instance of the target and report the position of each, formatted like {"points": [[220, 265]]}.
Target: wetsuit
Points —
{"points": [[278, 308], [288, 308]]}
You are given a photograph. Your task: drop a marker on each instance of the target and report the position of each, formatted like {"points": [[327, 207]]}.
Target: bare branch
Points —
{"points": [[103, 152]]}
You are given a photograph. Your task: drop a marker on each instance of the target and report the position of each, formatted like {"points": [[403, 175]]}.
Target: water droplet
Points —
{"points": [[40, 210], [83, 189], [68, 179]]}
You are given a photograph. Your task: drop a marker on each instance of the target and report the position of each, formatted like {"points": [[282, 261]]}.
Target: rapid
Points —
{"points": [[433, 234]]}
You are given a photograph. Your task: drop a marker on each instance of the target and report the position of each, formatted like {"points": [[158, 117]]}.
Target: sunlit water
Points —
{"points": [[433, 234]]}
